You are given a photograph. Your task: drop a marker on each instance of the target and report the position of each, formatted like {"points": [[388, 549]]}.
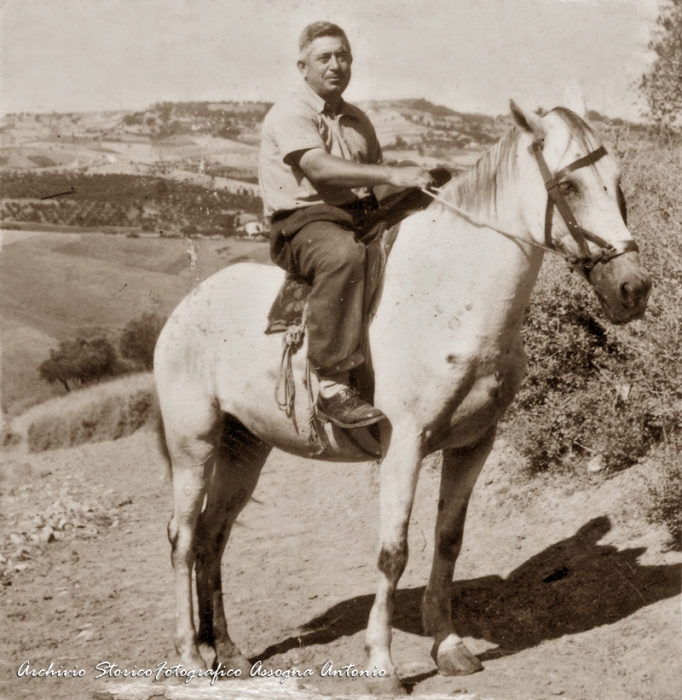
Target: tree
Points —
{"points": [[139, 337], [80, 361], [662, 85]]}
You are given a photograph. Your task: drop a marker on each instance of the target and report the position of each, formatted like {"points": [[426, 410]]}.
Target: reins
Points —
{"points": [[482, 224], [585, 260]]}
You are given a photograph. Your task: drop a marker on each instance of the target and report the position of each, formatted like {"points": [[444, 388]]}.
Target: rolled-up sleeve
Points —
{"points": [[295, 129]]}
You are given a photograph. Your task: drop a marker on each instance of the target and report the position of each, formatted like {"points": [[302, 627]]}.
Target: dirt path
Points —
{"points": [[561, 594]]}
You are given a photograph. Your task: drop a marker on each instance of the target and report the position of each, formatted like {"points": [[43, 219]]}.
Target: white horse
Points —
{"points": [[447, 356]]}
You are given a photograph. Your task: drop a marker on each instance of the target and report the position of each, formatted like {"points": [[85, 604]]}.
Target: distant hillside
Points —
{"points": [[231, 120], [150, 204], [433, 130], [235, 121], [192, 167]]}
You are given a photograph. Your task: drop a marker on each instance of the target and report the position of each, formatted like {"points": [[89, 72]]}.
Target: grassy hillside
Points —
{"points": [[602, 397], [107, 411], [23, 349], [57, 286]]}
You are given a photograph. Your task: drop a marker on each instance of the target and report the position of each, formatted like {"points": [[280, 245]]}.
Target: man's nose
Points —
{"points": [[334, 63]]}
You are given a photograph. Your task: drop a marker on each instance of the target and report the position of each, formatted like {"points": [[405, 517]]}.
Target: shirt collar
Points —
{"points": [[320, 105]]}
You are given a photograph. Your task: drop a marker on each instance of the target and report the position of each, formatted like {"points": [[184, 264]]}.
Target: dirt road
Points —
{"points": [[561, 591]]}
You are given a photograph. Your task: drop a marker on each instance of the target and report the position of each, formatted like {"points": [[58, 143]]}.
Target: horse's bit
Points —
{"points": [[585, 261]]}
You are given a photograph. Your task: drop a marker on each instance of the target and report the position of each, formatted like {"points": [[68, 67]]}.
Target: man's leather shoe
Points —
{"points": [[347, 410]]}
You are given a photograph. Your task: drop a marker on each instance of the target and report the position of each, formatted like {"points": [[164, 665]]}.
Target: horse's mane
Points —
{"points": [[476, 189]]}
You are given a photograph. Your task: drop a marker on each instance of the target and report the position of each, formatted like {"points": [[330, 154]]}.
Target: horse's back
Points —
{"points": [[241, 291], [217, 325]]}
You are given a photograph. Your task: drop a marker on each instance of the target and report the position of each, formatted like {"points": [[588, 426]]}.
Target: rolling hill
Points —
{"points": [[58, 286]]}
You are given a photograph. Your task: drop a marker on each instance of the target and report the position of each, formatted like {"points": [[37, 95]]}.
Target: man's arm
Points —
{"points": [[327, 171]]}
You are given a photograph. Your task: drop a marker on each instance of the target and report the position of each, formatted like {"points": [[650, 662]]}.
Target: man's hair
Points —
{"points": [[315, 31]]}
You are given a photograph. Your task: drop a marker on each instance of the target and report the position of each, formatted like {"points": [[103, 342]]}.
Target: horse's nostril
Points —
{"points": [[628, 294]]}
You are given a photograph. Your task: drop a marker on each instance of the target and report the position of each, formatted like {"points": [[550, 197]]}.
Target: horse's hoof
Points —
{"points": [[236, 662], [194, 661], [453, 658], [388, 685]]}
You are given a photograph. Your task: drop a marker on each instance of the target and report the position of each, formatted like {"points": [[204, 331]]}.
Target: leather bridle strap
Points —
{"points": [[555, 198], [585, 261], [589, 159]]}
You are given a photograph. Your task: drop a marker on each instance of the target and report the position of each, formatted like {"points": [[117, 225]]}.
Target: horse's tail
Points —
{"points": [[161, 436]]}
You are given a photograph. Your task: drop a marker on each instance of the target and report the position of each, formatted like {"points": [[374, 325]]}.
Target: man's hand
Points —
{"points": [[410, 176]]}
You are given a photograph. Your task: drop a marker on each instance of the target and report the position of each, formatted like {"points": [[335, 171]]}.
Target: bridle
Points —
{"points": [[585, 260]]}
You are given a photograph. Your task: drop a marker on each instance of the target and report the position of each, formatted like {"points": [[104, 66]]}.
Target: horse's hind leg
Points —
{"points": [[460, 470], [241, 456], [192, 440]]}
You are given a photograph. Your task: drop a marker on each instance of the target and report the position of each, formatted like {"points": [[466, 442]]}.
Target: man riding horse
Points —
{"points": [[319, 160]]}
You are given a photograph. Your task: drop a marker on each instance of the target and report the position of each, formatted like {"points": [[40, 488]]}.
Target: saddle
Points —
{"points": [[287, 314]]}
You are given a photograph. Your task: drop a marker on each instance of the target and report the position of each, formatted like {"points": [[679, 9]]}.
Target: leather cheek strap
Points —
{"points": [[555, 198]]}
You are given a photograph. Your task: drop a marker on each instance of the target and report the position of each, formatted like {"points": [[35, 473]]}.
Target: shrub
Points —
{"points": [[80, 361], [139, 337], [662, 84], [9, 437], [595, 390], [665, 501]]}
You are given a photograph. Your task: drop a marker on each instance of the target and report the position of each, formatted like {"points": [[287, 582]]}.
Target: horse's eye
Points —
{"points": [[567, 187]]}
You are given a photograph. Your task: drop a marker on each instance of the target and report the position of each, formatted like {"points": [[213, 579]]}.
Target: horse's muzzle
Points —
{"points": [[623, 287]]}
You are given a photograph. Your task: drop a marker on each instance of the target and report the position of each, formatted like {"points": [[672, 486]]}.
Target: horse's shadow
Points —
{"points": [[572, 586]]}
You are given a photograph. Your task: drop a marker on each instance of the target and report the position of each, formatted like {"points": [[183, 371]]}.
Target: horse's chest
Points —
{"points": [[481, 403]]}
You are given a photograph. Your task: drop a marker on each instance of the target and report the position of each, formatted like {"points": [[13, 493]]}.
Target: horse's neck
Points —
{"points": [[475, 280]]}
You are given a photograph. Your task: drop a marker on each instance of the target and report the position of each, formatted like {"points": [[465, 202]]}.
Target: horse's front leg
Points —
{"points": [[460, 470], [398, 480]]}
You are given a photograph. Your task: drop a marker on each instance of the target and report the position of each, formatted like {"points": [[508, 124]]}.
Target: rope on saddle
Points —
{"points": [[313, 430], [285, 389]]}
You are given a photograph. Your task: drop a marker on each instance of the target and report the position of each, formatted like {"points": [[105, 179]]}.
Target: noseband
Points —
{"points": [[585, 260]]}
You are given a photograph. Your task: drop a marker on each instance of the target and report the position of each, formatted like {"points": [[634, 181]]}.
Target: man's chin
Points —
{"points": [[338, 84]]}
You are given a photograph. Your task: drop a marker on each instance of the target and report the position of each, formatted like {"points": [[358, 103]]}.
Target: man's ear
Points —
{"points": [[574, 99], [303, 69], [528, 121]]}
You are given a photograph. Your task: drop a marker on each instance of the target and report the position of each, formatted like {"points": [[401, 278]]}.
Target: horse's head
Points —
{"points": [[581, 212]]}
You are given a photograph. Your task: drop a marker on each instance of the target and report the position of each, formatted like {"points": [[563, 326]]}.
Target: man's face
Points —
{"points": [[327, 66]]}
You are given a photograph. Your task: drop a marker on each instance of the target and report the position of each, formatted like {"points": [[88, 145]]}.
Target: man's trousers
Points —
{"points": [[328, 255]]}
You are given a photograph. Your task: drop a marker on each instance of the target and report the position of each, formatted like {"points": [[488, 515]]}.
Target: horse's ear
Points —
{"points": [[574, 99], [527, 120]]}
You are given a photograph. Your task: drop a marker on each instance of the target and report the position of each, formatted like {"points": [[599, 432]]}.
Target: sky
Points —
{"points": [[470, 55]]}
